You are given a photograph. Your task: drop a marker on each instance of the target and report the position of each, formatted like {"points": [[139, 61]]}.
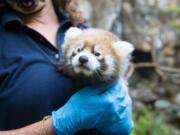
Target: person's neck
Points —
{"points": [[45, 22]]}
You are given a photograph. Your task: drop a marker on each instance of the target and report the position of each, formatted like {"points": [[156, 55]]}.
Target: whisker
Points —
{"points": [[98, 74]]}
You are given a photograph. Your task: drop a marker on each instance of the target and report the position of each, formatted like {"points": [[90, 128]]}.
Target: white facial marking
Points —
{"points": [[73, 49], [84, 71], [110, 65], [72, 33], [80, 45], [92, 63]]}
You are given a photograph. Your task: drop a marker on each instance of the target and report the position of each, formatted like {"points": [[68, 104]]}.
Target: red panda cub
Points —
{"points": [[94, 56]]}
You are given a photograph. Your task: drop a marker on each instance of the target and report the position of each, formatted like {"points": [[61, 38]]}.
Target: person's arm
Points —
{"points": [[107, 109], [34, 129]]}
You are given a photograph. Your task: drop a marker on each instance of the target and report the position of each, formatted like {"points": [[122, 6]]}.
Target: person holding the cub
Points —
{"points": [[31, 35]]}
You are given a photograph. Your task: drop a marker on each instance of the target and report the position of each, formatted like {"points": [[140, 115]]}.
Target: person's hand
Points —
{"points": [[124, 124], [91, 108]]}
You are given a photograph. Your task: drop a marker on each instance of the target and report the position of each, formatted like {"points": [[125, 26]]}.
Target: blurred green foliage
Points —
{"points": [[150, 122], [174, 11], [175, 24]]}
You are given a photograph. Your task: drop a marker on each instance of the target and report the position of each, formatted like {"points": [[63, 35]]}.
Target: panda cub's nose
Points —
{"points": [[83, 59]]}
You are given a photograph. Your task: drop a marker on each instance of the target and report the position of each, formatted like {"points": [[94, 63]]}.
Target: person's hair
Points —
{"points": [[69, 7]]}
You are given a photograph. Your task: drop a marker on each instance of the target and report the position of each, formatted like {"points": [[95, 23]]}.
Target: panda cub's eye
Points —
{"points": [[76, 51], [98, 55], [79, 50], [80, 47]]}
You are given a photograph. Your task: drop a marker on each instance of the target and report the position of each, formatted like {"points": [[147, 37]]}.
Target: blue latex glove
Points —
{"points": [[106, 108], [125, 123]]}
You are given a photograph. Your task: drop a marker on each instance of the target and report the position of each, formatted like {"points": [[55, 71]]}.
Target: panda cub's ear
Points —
{"points": [[72, 33], [123, 48]]}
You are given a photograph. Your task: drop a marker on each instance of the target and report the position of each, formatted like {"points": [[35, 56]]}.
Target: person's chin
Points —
{"points": [[31, 10]]}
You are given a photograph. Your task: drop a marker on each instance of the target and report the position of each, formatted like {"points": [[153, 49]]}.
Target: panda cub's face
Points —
{"points": [[95, 54], [92, 59]]}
